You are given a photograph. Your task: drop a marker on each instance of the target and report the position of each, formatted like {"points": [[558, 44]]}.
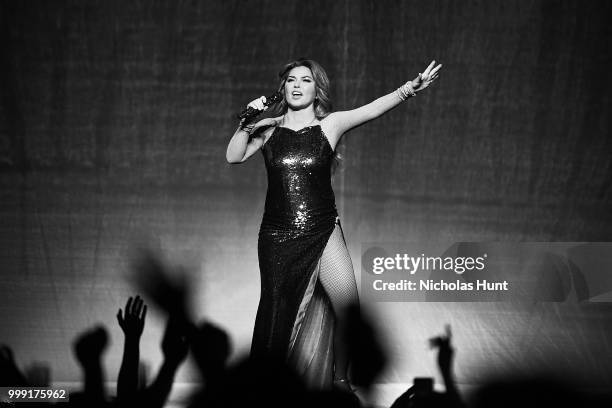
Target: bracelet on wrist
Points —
{"points": [[404, 91], [248, 128]]}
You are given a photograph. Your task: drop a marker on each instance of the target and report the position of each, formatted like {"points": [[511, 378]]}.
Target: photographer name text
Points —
{"points": [[441, 285]]}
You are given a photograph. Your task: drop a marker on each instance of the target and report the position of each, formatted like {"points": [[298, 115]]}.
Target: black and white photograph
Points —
{"points": [[324, 203]]}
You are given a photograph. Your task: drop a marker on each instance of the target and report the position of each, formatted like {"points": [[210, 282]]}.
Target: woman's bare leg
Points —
{"points": [[338, 279]]}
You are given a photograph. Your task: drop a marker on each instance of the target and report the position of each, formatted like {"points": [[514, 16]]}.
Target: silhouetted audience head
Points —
{"points": [[10, 374], [210, 346]]}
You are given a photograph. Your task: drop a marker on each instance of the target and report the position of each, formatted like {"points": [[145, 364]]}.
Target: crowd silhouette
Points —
{"points": [[252, 382]]}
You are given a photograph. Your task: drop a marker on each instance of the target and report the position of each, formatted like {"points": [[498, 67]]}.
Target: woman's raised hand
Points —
{"points": [[258, 103], [252, 126], [427, 77]]}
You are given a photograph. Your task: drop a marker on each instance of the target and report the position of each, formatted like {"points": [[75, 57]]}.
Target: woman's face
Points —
{"points": [[300, 91]]}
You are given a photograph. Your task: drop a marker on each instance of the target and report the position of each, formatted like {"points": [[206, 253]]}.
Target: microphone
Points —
{"points": [[250, 112]]}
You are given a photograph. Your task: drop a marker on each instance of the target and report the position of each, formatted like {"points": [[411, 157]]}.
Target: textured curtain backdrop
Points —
{"points": [[115, 116]]}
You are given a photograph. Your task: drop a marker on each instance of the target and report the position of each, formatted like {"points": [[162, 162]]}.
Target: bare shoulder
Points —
{"points": [[329, 126]]}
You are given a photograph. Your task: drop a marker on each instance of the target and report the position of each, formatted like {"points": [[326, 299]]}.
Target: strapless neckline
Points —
{"points": [[301, 131]]}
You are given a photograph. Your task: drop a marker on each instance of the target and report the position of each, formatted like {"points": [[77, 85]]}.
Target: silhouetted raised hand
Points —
{"points": [[90, 345], [422, 394], [131, 321], [445, 363], [88, 349], [164, 285], [175, 348], [445, 350]]}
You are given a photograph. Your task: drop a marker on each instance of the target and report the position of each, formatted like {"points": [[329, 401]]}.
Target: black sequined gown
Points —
{"points": [[294, 319]]}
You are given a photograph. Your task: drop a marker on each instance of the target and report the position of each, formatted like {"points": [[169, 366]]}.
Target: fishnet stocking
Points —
{"points": [[338, 280], [336, 273]]}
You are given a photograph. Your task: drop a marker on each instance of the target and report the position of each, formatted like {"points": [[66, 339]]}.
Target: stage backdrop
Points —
{"points": [[115, 117]]}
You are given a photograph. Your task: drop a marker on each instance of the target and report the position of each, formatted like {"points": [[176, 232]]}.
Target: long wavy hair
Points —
{"points": [[322, 102]]}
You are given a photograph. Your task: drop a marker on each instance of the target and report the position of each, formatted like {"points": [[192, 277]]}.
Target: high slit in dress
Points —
{"points": [[295, 321]]}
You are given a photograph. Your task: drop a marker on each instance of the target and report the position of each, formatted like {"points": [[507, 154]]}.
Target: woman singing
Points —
{"points": [[307, 278]]}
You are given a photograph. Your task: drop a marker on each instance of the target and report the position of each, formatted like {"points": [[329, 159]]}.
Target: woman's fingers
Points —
{"points": [[430, 70], [258, 103], [430, 73], [429, 67], [436, 69]]}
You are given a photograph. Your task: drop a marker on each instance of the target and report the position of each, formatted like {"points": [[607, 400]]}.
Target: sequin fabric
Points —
{"points": [[300, 194], [299, 217]]}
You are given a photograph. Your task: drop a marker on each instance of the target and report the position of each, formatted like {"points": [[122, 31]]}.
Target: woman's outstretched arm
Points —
{"points": [[343, 121]]}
